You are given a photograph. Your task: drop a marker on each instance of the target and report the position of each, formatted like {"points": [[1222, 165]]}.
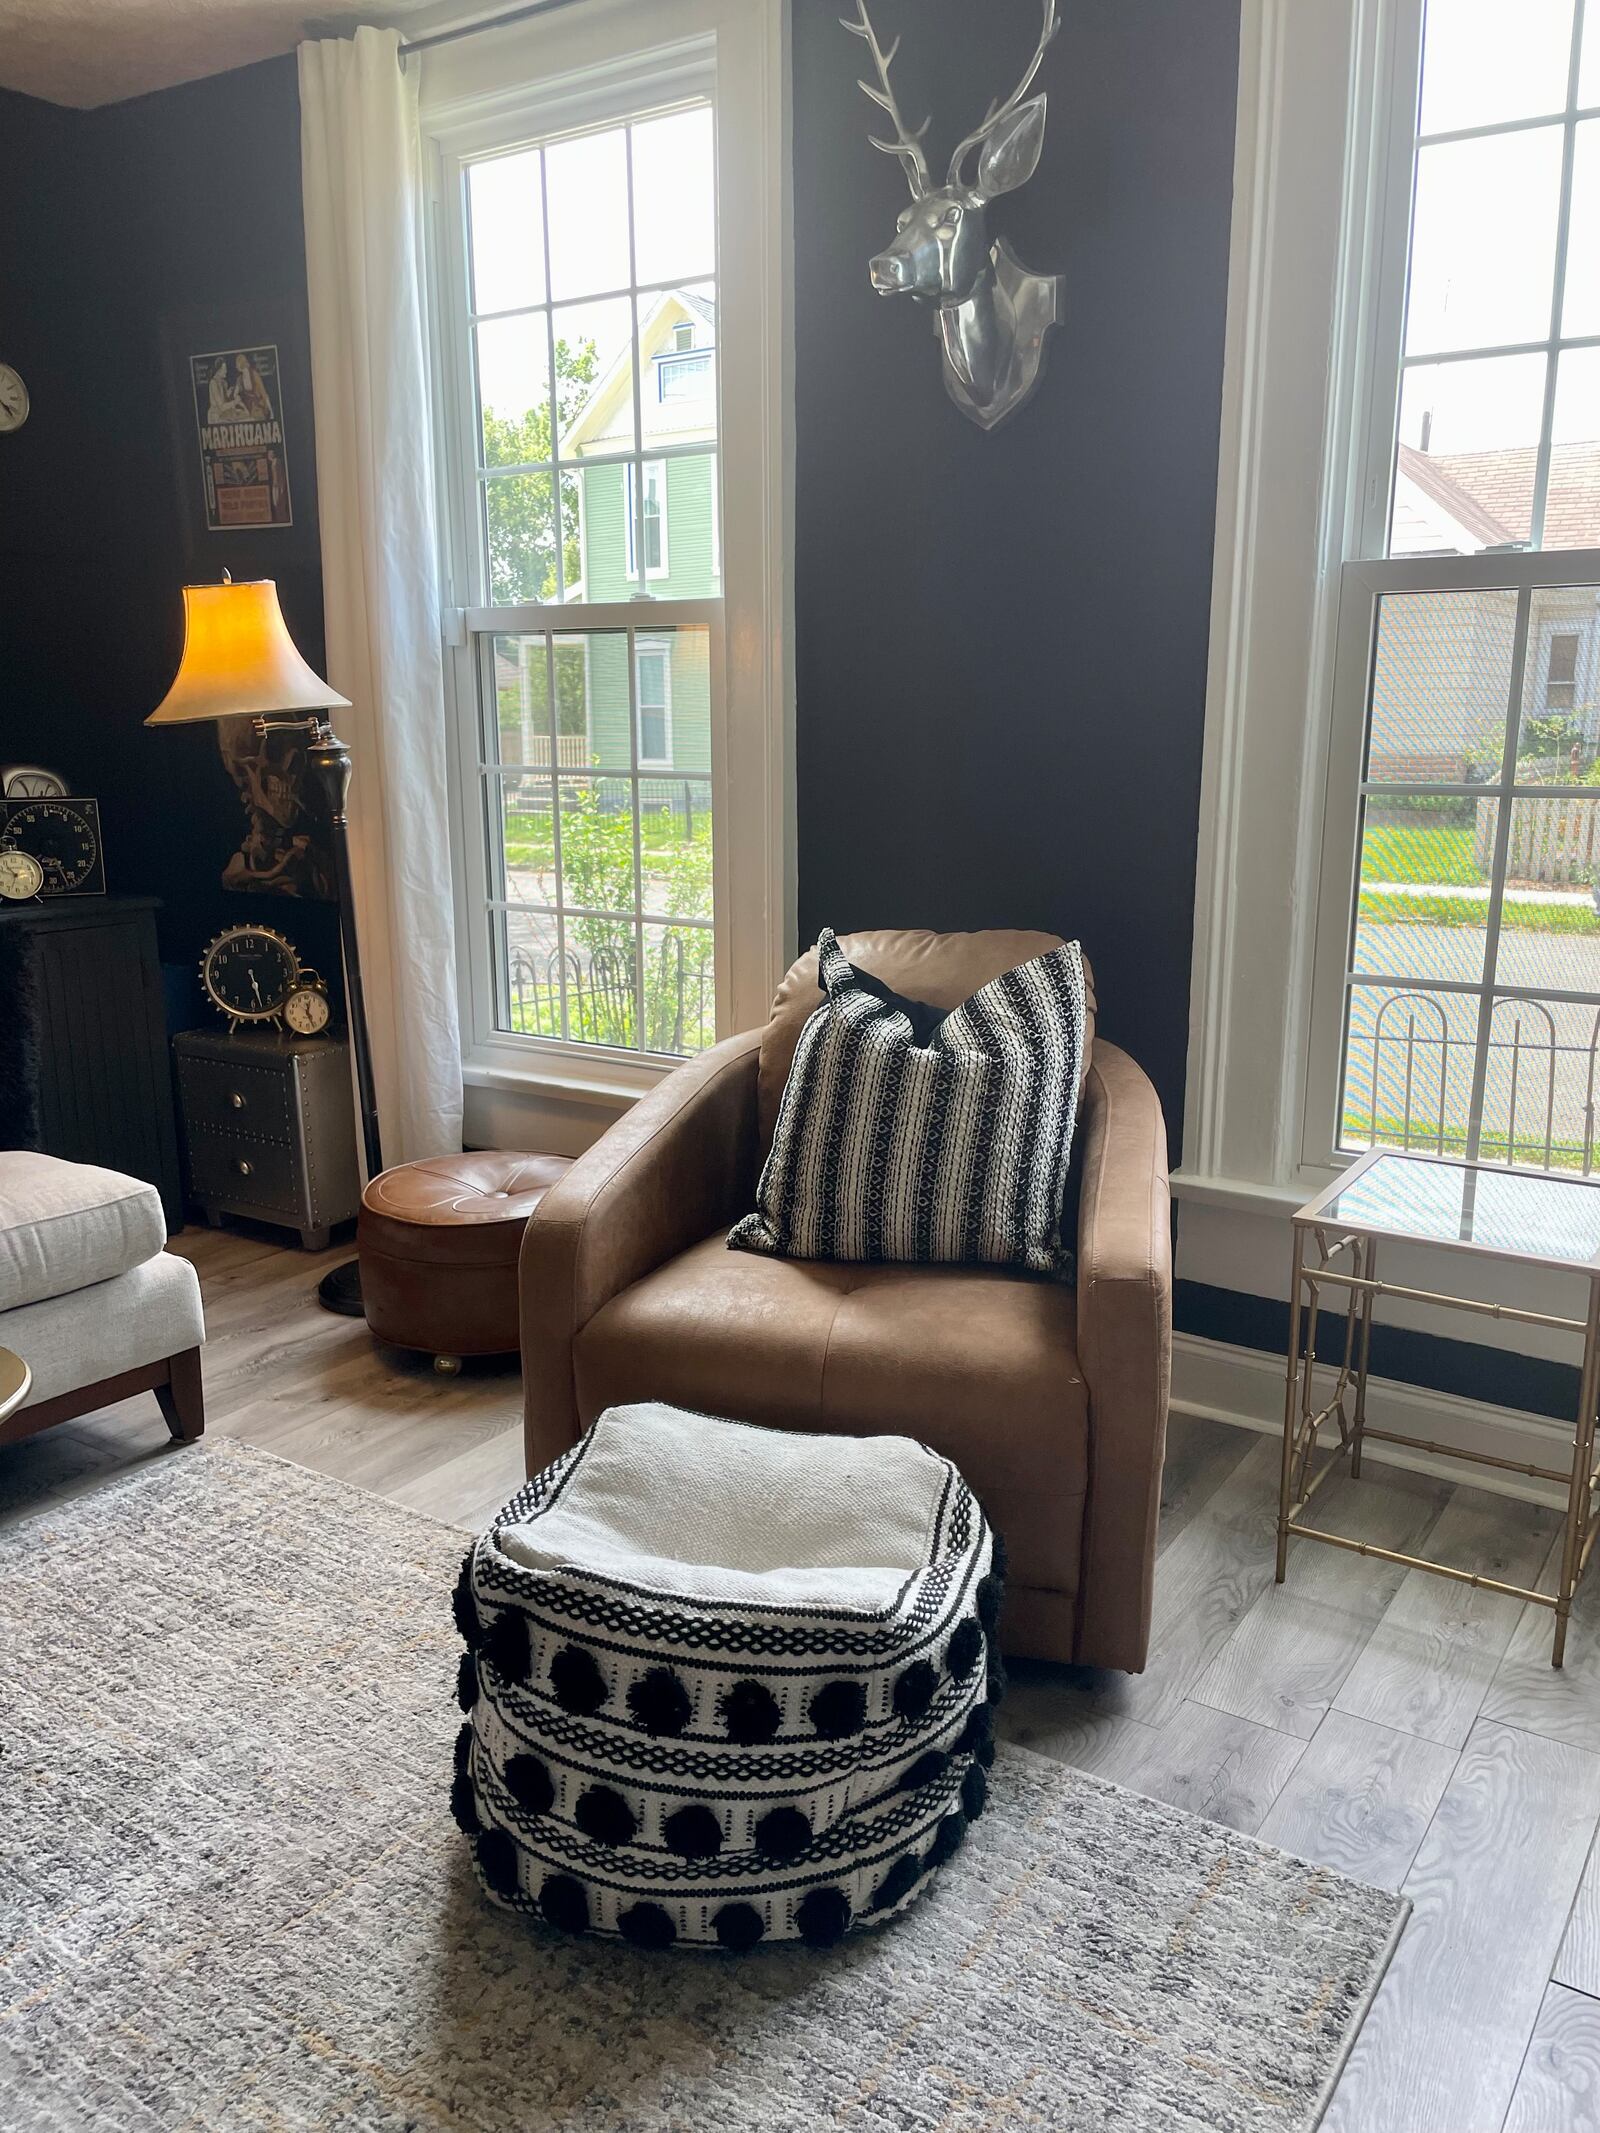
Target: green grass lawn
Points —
{"points": [[1434, 853], [530, 841], [1359, 1132], [1388, 908]]}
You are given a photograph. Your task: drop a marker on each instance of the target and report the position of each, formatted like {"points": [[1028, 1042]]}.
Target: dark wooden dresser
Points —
{"points": [[92, 995]]}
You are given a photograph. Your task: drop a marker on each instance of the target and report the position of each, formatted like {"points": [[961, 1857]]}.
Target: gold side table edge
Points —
{"points": [[1302, 1420], [16, 1382]]}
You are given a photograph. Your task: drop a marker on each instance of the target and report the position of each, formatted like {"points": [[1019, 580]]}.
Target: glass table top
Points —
{"points": [[1516, 1212]]}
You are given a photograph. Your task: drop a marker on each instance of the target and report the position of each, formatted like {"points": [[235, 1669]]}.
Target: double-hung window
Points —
{"points": [[619, 888], [1457, 995]]}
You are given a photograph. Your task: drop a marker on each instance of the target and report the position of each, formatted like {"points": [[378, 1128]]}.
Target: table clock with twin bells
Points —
{"points": [[254, 977]]}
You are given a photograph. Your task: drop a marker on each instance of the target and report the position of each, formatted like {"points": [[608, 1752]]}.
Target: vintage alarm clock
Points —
{"points": [[21, 876]]}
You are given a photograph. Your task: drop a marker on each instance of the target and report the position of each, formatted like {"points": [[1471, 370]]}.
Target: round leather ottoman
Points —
{"points": [[439, 1242]]}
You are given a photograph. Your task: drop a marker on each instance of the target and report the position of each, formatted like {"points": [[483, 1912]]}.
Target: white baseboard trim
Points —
{"points": [[1245, 1386]]}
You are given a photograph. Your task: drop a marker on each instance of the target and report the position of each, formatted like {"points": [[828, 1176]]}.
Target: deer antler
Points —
{"points": [[906, 144], [996, 112]]}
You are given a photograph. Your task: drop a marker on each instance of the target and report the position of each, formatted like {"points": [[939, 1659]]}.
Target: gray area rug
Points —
{"points": [[232, 1897]]}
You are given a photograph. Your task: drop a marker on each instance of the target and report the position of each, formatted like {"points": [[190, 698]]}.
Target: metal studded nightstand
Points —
{"points": [[269, 1128]]}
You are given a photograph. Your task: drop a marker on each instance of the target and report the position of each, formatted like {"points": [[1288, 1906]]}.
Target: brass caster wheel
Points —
{"points": [[448, 1366]]}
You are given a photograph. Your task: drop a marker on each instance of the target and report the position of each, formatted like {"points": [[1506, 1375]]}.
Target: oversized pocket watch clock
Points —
{"points": [[63, 835]]}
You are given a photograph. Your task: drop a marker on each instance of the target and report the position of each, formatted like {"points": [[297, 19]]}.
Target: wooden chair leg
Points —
{"points": [[182, 1398]]}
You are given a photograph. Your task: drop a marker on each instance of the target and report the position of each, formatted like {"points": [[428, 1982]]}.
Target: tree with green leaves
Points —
{"points": [[521, 508]]}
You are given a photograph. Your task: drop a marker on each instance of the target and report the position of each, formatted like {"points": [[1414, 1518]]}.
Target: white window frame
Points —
{"points": [[1320, 229], [654, 648], [1364, 580], [655, 477], [562, 73]]}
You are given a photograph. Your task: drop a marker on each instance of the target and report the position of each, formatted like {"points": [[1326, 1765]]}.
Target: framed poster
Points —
{"points": [[239, 421]]}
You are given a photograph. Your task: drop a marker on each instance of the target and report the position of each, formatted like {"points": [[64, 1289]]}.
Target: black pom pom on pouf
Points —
{"points": [[660, 1703], [990, 1592], [915, 1689], [974, 1793], [965, 1648], [462, 1605], [467, 1681], [693, 1833], [738, 1926], [839, 1710], [464, 1804], [900, 1880], [750, 1712], [497, 1862], [530, 1785], [948, 1839], [783, 1833], [605, 1815], [579, 1685], [563, 1904], [924, 1770], [997, 1677], [462, 1752], [978, 1729], [505, 1645], [823, 1918], [646, 1925]]}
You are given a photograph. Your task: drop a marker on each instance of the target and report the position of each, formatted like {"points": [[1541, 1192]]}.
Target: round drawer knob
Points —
{"points": [[243, 1165], [236, 1099]]}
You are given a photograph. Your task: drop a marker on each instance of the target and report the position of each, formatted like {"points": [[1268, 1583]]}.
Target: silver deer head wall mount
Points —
{"points": [[992, 315]]}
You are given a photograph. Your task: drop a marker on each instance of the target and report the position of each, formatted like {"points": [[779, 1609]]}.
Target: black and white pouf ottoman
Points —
{"points": [[726, 1685]]}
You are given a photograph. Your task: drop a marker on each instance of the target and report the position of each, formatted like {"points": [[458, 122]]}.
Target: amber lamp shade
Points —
{"points": [[239, 659]]}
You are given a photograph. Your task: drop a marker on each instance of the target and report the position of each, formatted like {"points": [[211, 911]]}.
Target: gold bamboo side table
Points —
{"points": [[1536, 1218]]}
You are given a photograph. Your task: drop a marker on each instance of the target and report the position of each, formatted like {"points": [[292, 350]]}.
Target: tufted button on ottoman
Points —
{"points": [[725, 1685], [439, 1242]]}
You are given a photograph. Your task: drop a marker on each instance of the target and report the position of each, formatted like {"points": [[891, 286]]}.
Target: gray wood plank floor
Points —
{"points": [[1397, 1728]]}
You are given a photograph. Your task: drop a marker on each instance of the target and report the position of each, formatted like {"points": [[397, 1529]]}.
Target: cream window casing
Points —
{"points": [[544, 80]]}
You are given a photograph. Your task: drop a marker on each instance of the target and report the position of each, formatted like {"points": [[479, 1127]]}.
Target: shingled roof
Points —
{"points": [[1490, 494]]}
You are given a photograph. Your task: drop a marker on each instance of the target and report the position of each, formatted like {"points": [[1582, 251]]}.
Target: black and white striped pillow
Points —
{"points": [[953, 1150]]}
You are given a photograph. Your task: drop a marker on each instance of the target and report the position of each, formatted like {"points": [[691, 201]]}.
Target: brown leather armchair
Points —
{"points": [[1051, 1399]]}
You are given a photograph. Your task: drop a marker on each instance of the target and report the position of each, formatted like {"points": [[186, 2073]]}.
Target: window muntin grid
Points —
{"points": [[598, 852], [1498, 430]]}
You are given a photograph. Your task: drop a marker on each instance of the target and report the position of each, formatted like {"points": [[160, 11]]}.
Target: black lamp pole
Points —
{"points": [[329, 758]]}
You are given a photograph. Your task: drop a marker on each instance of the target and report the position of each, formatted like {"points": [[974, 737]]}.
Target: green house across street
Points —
{"points": [[676, 518]]}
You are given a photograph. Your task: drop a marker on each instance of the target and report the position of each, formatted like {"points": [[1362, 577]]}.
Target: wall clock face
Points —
{"points": [[249, 972], [64, 836], [13, 399]]}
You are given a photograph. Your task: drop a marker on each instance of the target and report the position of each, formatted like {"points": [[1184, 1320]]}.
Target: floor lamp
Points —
{"points": [[239, 661]]}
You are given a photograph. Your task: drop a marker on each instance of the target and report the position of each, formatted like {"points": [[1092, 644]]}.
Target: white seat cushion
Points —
{"points": [[64, 1226], [141, 1316], [686, 1505]]}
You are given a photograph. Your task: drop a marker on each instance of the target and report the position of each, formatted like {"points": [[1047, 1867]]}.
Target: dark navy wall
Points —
{"points": [[134, 229], [1001, 640]]}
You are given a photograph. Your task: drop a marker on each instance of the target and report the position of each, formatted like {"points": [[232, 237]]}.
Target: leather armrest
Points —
{"points": [[1124, 1349], [670, 1170]]}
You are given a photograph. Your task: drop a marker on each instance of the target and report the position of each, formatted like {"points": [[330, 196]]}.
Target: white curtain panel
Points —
{"points": [[361, 165]]}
